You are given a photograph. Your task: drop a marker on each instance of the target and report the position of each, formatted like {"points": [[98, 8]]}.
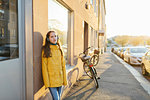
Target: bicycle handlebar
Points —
{"points": [[87, 49], [83, 53]]}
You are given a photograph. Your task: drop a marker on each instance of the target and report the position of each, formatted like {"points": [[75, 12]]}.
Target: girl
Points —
{"points": [[53, 65]]}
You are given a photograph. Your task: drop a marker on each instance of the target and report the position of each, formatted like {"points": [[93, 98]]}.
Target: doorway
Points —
{"points": [[11, 52], [85, 35]]}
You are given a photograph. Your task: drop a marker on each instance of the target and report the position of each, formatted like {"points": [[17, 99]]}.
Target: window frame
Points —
{"points": [[70, 33]]}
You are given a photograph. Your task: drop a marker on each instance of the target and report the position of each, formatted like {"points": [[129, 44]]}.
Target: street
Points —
{"points": [[138, 68], [116, 83]]}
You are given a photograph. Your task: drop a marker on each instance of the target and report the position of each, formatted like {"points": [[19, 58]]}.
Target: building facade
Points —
{"points": [[23, 27], [102, 27]]}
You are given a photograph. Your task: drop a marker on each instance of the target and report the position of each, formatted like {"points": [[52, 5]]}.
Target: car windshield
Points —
{"points": [[124, 49], [138, 50]]}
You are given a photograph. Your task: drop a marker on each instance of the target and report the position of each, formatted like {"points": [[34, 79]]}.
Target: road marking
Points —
{"points": [[143, 82]]}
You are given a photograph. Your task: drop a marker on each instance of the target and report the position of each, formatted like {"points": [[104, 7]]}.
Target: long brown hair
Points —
{"points": [[46, 47]]}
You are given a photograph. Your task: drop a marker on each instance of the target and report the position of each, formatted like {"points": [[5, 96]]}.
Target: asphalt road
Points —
{"points": [[138, 68]]}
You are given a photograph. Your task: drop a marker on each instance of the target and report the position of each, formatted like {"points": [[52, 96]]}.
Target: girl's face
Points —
{"points": [[53, 38]]}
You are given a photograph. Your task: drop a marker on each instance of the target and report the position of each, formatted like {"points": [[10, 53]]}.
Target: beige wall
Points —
{"points": [[80, 15], [40, 26], [102, 27]]}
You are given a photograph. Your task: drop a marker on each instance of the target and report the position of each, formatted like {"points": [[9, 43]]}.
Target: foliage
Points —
{"points": [[148, 42], [122, 40], [125, 40], [109, 41]]}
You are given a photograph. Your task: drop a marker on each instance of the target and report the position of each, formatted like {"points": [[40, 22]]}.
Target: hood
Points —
{"points": [[137, 54]]}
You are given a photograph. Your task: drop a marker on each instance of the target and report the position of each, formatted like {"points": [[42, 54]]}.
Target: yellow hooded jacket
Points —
{"points": [[53, 68]]}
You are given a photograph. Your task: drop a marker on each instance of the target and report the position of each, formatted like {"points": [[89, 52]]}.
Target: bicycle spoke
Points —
{"points": [[94, 77]]}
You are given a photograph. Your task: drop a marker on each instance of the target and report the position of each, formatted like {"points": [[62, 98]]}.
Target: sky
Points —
{"points": [[127, 17]]}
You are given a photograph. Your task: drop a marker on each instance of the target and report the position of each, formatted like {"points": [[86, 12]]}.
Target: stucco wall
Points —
{"points": [[40, 27]]}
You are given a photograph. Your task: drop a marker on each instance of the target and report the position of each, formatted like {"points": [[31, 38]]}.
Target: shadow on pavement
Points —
{"points": [[81, 92], [116, 83]]}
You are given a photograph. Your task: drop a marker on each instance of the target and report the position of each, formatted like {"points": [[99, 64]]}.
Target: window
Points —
{"points": [[95, 39], [58, 21], [8, 29], [94, 5], [91, 1], [148, 54], [91, 37]]}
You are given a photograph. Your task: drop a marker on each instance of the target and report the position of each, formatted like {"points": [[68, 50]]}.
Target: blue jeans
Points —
{"points": [[55, 92]]}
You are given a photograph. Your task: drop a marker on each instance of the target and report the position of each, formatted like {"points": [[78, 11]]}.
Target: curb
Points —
{"points": [[143, 82]]}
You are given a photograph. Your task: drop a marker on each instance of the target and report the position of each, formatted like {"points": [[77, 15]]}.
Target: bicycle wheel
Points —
{"points": [[95, 73], [87, 70], [94, 77], [94, 60]]}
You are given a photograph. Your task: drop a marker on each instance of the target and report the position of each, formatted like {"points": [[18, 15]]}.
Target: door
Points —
{"points": [[85, 35], [11, 44], [147, 62]]}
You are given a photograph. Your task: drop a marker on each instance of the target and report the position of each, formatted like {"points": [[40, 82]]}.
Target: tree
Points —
{"points": [[148, 42], [137, 40], [122, 40]]}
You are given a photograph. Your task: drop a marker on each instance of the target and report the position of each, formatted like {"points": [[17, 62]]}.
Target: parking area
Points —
{"points": [[136, 56], [137, 72], [138, 68]]}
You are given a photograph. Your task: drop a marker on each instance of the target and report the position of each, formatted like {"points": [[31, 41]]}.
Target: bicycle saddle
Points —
{"points": [[84, 58]]}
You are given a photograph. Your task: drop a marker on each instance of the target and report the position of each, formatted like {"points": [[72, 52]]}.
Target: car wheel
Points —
{"points": [[129, 61], [122, 56], [125, 59], [144, 72]]}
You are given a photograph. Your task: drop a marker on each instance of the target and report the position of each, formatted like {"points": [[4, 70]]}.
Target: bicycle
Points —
{"points": [[88, 67], [92, 61]]}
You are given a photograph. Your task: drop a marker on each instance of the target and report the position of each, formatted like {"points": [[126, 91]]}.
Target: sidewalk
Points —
{"points": [[116, 83]]}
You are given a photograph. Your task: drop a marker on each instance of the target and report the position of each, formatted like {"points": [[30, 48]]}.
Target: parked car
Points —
{"points": [[9, 50], [118, 51], [146, 63], [122, 52], [115, 50], [112, 49], [148, 46], [133, 55]]}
